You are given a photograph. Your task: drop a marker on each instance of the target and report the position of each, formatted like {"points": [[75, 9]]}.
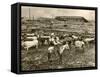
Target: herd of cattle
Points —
{"points": [[61, 42]]}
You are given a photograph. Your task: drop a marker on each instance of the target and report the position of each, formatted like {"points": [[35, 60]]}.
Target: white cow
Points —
{"points": [[29, 44], [89, 39], [79, 44], [75, 37]]}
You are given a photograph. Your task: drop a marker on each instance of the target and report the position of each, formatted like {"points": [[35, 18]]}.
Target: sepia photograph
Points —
{"points": [[57, 38]]}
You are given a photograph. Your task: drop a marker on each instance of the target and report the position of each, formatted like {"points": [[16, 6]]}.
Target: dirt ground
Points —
{"points": [[37, 59]]}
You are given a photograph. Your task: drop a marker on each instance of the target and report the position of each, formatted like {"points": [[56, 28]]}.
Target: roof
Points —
{"points": [[64, 18]]}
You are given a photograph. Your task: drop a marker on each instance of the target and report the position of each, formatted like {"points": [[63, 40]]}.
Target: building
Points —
{"points": [[60, 23]]}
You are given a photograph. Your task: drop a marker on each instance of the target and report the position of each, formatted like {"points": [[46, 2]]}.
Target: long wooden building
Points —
{"points": [[60, 23]]}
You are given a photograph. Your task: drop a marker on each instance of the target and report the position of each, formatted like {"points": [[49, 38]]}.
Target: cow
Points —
{"points": [[79, 45], [28, 44]]}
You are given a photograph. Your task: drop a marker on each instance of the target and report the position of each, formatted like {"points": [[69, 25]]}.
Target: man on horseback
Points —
{"points": [[53, 42], [57, 45]]}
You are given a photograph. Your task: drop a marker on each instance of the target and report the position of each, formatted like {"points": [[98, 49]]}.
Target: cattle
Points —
{"points": [[79, 45], [89, 41], [28, 44]]}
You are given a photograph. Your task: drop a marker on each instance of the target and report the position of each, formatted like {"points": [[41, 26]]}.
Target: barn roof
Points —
{"points": [[64, 18]]}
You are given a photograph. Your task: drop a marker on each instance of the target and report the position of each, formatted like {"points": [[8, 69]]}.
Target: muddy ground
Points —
{"points": [[37, 59]]}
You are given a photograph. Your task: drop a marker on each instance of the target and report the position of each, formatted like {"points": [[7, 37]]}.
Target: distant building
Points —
{"points": [[72, 21], [71, 18], [60, 23]]}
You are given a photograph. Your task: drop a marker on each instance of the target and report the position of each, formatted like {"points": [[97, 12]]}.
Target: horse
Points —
{"points": [[43, 40], [62, 47]]}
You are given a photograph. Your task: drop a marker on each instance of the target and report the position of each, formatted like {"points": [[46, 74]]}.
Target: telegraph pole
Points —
{"points": [[29, 13]]}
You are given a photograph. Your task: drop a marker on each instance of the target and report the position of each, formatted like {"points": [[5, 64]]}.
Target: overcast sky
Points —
{"points": [[52, 12]]}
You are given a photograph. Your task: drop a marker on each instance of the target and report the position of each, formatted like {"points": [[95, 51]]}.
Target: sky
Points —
{"points": [[52, 12]]}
